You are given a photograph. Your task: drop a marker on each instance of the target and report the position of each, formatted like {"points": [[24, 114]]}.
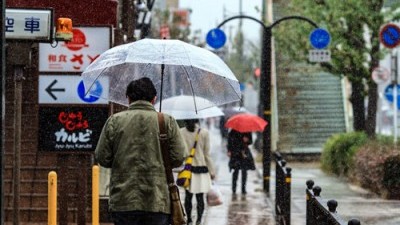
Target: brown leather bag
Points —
{"points": [[178, 215]]}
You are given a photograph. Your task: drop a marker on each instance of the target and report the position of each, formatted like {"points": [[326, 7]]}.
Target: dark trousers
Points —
{"points": [[140, 218], [188, 205], [235, 176]]}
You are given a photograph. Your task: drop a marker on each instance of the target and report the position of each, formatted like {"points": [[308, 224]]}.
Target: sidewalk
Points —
{"points": [[353, 201], [255, 208], [250, 209]]}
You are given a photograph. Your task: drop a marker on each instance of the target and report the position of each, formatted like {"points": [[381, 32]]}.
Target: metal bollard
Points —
{"points": [[52, 198], [95, 194]]}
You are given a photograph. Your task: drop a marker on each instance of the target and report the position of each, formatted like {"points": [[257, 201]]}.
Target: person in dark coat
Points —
{"points": [[240, 157]]}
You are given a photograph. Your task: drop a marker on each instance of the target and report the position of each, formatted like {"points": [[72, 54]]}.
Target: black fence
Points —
{"points": [[283, 182], [317, 213]]}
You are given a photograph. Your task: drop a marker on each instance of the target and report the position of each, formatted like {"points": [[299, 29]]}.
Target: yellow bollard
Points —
{"points": [[95, 194], [52, 197]]}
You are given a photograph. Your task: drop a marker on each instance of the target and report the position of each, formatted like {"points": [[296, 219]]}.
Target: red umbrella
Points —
{"points": [[246, 122]]}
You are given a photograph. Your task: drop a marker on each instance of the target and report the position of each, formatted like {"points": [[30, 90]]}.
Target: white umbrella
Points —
{"points": [[175, 68], [183, 107]]}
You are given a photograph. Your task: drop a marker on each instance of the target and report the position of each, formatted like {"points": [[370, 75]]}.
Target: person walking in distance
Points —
{"points": [[202, 167], [129, 145], [240, 157]]}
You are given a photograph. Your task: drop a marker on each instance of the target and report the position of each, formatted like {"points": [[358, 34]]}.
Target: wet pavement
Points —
{"points": [[250, 209], [256, 209]]}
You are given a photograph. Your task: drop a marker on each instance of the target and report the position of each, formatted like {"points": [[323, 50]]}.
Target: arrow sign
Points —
{"points": [[50, 89]]}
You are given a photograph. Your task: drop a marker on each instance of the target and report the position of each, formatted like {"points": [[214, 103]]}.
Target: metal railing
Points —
{"points": [[317, 213], [283, 180]]}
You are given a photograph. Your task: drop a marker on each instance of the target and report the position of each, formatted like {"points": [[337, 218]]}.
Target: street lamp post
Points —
{"points": [[265, 86]]}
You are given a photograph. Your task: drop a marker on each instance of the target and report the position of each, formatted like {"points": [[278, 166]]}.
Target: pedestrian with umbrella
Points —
{"points": [[129, 145], [239, 139], [202, 169]]}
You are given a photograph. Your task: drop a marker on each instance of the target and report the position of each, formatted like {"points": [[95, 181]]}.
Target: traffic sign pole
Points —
{"points": [[395, 107]]}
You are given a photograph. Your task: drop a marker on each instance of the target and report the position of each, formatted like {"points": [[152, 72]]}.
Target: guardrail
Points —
{"points": [[317, 213], [283, 180]]}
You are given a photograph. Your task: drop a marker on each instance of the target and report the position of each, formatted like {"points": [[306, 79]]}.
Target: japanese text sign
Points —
{"points": [[29, 24], [70, 129], [74, 56]]}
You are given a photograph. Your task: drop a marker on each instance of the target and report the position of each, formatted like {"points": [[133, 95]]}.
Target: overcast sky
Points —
{"points": [[207, 14]]}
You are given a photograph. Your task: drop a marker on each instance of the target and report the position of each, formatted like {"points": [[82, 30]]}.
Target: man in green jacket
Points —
{"points": [[129, 145]]}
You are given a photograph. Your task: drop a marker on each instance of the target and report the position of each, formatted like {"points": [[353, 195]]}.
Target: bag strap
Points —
{"points": [[196, 138], [164, 149]]}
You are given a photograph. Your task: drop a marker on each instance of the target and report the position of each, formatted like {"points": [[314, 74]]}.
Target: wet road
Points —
{"points": [[250, 209], [256, 209]]}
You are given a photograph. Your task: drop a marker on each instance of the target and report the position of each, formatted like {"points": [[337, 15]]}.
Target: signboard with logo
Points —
{"points": [[74, 56], [29, 24], [70, 129], [69, 89]]}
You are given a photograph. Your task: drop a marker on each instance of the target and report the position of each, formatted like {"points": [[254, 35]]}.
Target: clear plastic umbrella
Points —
{"points": [[183, 107], [175, 68]]}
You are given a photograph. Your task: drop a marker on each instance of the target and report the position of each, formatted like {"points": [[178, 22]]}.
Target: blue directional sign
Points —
{"points": [[216, 38], [94, 93], [390, 35], [389, 94], [320, 38]]}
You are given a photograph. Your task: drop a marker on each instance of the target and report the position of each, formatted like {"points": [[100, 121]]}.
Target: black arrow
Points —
{"points": [[50, 89]]}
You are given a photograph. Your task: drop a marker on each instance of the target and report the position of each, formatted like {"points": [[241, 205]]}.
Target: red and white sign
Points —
{"points": [[380, 75], [74, 56]]}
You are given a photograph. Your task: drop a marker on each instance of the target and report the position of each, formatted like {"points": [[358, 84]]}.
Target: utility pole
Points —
{"points": [[2, 103]]}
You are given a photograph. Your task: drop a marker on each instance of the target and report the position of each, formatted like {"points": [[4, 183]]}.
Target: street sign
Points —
{"points": [[319, 55], [69, 89], [320, 38], [74, 56], [29, 24], [390, 35], [389, 94], [380, 75], [216, 38]]}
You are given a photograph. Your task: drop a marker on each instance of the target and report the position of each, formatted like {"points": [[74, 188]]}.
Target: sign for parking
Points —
{"points": [[69, 89]]}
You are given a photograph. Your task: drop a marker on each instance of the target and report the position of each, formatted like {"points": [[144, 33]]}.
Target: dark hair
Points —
{"points": [[190, 124], [141, 89]]}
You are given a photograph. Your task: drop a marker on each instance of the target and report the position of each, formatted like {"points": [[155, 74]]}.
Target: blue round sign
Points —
{"points": [[389, 94], [320, 38], [390, 35], [216, 38], [94, 93]]}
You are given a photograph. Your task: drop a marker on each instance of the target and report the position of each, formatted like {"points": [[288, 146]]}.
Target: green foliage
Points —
{"points": [[354, 26], [377, 168], [391, 175], [338, 152]]}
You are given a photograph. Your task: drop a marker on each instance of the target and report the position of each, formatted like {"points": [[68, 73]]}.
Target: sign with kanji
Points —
{"points": [[319, 55], [69, 89], [29, 24], [74, 56], [70, 129]]}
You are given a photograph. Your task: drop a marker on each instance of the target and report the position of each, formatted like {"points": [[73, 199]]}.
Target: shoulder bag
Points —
{"points": [[178, 215], [185, 174]]}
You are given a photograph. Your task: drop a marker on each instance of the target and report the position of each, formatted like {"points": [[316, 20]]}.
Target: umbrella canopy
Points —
{"points": [[183, 107], [230, 111], [175, 68], [246, 122]]}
